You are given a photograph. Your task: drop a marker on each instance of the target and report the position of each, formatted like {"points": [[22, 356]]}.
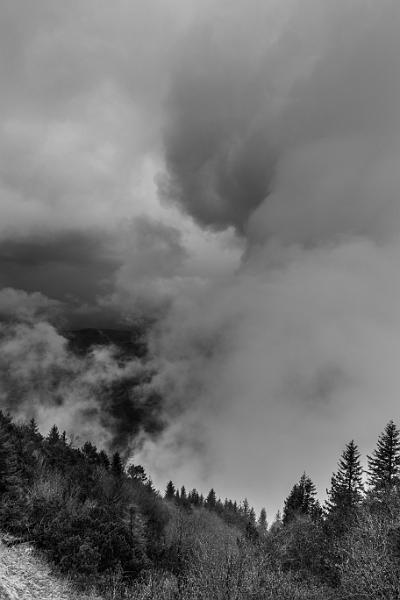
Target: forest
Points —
{"points": [[103, 524]]}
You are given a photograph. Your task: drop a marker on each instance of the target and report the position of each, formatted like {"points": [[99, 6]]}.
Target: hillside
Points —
{"points": [[24, 575]]}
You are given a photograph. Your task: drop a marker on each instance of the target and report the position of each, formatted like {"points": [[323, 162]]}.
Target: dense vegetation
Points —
{"points": [[103, 523]]}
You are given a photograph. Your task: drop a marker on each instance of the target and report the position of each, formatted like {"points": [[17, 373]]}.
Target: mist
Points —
{"points": [[293, 140], [236, 181]]}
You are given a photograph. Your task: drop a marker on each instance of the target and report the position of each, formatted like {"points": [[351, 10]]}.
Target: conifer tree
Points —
{"points": [[301, 500], [104, 460], [384, 464], [54, 435], [211, 499], [262, 520], [169, 491], [9, 471], [194, 497], [252, 516], [117, 467], [137, 473], [346, 489], [33, 429], [277, 524]]}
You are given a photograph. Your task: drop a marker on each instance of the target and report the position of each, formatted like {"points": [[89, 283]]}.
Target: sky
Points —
{"points": [[229, 170]]}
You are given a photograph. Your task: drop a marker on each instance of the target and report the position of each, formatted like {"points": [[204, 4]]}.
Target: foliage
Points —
{"points": [[301, 501], [346, 490], [107, 527], [384, 464]]}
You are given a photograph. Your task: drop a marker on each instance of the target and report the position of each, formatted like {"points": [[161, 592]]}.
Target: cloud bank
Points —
{"points": [[232, 170]]}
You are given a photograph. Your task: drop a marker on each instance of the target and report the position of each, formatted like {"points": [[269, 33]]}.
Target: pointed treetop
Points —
{"points": [[169, 491], [301, 500], [384, 463], [346, 484]]}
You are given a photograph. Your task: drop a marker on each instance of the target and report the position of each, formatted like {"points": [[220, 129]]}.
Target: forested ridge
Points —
{"points": [[103, 523]]}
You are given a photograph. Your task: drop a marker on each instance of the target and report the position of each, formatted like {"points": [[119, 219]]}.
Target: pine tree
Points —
{"points": [[262, 521], [169, 491], [137, 473], [301, 500], [252, 516], [33, 430], [194, 497], [211, 499], [245, 507], [90, 452], [54, 435], [384, 464], [10, 477], [277, 524], [104, 460], [346, 489], [117, 467]]}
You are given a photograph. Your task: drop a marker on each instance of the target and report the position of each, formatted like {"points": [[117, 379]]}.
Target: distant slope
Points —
{"points": [[25, 576]]}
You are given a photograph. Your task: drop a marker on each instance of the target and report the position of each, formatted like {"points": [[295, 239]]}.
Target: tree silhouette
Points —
{"points": [[346, 489], [301, 500], [384, 464]]}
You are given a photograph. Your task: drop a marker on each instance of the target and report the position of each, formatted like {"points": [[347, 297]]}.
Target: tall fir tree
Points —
{"points": [[211, 499], [54, 435], [10, 476], [169, 491], [117, 467], [301, 500], [346, 489], [104, 460], [384, 463], [262, 521]]}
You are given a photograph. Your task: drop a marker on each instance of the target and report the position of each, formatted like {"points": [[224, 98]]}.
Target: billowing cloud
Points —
{"points": [[100, 395], [233, 169], [20, 305], [296, 353]]}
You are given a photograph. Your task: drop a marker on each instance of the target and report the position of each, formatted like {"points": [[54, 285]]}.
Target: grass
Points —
{"points": [[24, 575]]}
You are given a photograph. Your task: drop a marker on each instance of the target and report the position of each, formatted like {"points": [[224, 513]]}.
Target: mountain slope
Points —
{"points": [[25, 576]]}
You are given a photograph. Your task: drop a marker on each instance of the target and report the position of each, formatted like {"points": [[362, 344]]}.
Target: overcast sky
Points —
{"points": [[230, 167]]}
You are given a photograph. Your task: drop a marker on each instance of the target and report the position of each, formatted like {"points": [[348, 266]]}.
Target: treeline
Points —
{"points": [[242, 515], [104, 524], [92, 515]]}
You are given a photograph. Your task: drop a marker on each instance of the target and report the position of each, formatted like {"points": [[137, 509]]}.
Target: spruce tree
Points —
{"points": [[54, 435], [33, 430], [346, 489], [194, 497], [211, 499], [384, 464], [262, 521], [301, 500], [117, 467], [104, 460], [245, 508], [10, 477], [169, 491]]}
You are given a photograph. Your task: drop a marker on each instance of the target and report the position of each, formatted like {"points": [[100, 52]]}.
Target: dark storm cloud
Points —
{"points": [[277, 119], [302, 343], [219, 152], [70, 265], [299, 122], [100, 395]]}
